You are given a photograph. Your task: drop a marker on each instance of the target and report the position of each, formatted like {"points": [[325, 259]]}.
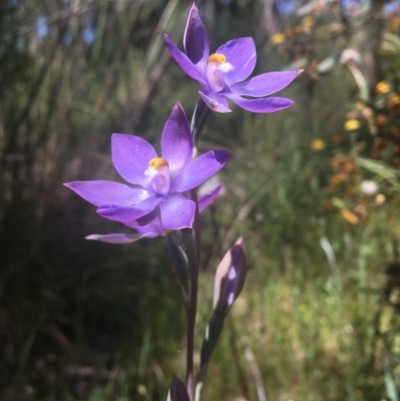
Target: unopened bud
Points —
{"points": [[229, 278], [177, 391]]}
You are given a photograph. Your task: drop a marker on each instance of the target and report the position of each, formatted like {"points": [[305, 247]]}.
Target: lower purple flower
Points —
{"points": [[155, 185], [150, 226]]}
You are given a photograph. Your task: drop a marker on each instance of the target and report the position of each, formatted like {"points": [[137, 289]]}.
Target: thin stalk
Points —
{"points": [[199, 119], [200, 116], [191, 316]]}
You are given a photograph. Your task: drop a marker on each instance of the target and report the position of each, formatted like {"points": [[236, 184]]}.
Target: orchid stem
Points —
{"points": [[199, 119], [200, 116], [191, 316]]}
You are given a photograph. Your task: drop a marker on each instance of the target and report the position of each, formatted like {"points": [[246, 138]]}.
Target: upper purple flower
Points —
{"points": [[154, 183], [222, 74]]}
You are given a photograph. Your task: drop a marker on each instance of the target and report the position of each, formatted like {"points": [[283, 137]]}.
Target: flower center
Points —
{"points": [[216, 58], [216, 67], [158, 173], [157, 163]]}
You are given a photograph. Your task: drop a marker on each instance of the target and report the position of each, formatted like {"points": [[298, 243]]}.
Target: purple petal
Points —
{"points": [[177, 212], [241, 54], [265, 84], [108, 192], [121, 238], [184, 62], [195, 39], [176, 141], [129, 213], [131, 155], [209, 198], [215, 102], [267, 105], [200, 169], [148, 223]]}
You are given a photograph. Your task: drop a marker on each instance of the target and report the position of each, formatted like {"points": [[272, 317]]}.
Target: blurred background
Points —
{"points": [[314, 189]]}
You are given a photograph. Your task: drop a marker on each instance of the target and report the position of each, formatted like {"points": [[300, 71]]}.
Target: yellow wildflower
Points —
{"points": [[317, 144], [352, 124], [308, 21], [360, 105], [380, 199], [277, 38], [382, 87], [349, 216], [394, 101]]}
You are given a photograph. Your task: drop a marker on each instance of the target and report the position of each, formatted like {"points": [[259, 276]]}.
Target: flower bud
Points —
{"points": [[177, 391], [229, 278]]}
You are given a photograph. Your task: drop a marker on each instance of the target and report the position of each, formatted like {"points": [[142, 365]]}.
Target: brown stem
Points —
{"points": [[191, 316]]}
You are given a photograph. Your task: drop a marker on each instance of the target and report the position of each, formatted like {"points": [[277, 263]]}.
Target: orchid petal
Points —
{"points": [[209, 198], [215, 102], [129, 213], [176, 141], [265, 84], [177, 212], [200, 169], [121, 238], [184, 62], [146, 220], [108, 192], [195, 38], [131, 155], [241, 55], [267, 105], [149, 223]]}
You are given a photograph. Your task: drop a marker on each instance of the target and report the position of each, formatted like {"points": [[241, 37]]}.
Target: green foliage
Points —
{"points": [[67, 304], [314, 323]]}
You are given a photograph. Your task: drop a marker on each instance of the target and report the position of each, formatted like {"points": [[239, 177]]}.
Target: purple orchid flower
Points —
{"points": [[150, 226], [154, 183], [222, 74]]}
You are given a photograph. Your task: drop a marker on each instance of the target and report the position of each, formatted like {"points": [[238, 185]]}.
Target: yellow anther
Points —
{"points": [[216, 58], [157, 163]]}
